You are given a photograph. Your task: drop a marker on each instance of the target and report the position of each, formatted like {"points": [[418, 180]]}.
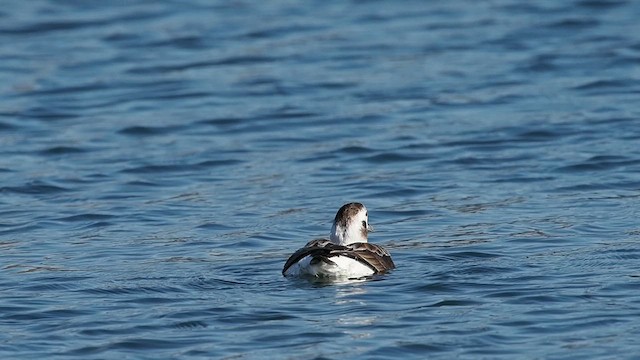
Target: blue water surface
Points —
{"points": [[159, 161]]}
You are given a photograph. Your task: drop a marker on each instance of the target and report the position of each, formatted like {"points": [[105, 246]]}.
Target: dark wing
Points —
{"points": [[320, 248], [372, 255]]}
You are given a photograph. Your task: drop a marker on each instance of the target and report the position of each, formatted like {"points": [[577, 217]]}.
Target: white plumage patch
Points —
{"points": [[342, 267]]}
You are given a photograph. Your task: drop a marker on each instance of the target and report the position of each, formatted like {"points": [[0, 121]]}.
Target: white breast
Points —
{"points": [[345, 267]]}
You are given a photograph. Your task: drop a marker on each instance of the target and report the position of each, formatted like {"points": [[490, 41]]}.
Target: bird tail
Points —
{"points": [[319, 259], [321, 265]]}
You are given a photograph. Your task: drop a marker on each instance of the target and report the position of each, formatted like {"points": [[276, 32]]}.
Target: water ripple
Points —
{"points": [[34, 188]]}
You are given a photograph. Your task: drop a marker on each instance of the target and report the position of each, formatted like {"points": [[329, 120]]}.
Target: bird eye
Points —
{"points": [[364, 223]]}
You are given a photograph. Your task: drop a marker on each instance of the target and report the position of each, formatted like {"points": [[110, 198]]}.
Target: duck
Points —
{"points": [[346, 254]]}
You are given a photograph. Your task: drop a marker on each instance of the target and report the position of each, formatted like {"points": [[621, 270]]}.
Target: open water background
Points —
{"points": [[160, 160]]}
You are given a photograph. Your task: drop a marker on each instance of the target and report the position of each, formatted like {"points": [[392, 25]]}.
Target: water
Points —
{"points": [[160, 161]]}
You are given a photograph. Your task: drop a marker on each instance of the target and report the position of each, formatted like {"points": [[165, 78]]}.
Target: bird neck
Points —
{"points": [[345, 236]]}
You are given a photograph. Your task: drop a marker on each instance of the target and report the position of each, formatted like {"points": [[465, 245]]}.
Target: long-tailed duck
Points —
{"points": [[346, 254]]}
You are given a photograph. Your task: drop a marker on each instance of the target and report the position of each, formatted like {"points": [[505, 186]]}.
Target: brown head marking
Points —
{"points": [[346, 213]]}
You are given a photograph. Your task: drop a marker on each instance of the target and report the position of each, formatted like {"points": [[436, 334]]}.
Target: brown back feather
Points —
{"points": [[371, 255]]}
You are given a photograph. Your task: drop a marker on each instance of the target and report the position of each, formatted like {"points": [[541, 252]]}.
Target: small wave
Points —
{"points": [[214, 226], [600, 4], [131, 290], [62, 150], [353, 149], [150, 169], [5, 126], [599, 163], [193, 324], [229, 61], [34, 188], [391, 157], [604, 84], [87, 217], [141, 131], [574, 24], [50, 26]]}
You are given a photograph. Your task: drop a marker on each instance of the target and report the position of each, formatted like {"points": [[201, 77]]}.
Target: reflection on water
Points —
{"points": [[353, 324]]}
